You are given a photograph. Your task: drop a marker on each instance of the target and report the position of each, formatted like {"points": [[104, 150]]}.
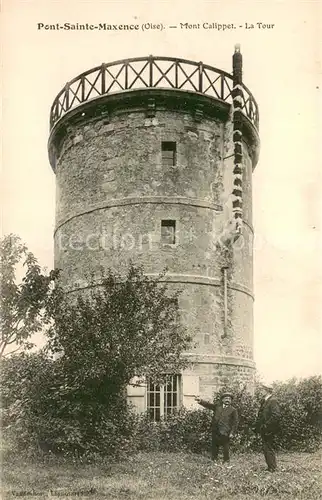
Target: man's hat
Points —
{"points": [[226, 394]]}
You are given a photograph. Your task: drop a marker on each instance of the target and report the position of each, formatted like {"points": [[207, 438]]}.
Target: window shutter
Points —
{"points": [[136, 395], [190, 389]]}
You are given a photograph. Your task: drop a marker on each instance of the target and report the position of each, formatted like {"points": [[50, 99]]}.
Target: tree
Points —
{"points": [[105, 336], [126, 327], [22, 304]]}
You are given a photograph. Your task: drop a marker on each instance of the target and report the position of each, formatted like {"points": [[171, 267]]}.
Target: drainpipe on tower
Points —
{"points": [[225, 294]]}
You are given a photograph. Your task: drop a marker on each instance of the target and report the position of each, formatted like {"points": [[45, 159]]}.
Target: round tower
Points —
{"points": [[153, 159]]}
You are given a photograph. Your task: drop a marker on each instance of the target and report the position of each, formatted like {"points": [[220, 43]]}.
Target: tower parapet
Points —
{"points": [[151, 73]]}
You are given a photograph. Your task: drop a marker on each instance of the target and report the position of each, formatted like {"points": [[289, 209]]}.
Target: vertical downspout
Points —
{"points": [[237, 94], [225, 294]]}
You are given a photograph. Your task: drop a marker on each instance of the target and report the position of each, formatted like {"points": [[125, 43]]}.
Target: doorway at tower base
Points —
{"points": [[202, 379]]}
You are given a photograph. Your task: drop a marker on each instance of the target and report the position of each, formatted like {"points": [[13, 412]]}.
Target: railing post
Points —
{"points": [[150, 71], [54, 113], [57, 112], [251, 108], [83, 87], [256, 117], [126, 75], [67, 96], [103, 78], [176, 78], [200, 76], [222, 87]]}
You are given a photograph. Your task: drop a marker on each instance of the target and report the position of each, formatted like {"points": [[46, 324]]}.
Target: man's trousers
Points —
{"points": [[269, 451], [217, 442]]}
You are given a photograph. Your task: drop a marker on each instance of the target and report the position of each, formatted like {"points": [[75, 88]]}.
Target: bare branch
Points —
{"points": [[12, 352]]}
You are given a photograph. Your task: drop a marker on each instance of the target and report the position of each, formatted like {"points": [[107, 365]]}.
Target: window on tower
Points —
{"points": [[169, 150], [163, 400], [168, 232]]}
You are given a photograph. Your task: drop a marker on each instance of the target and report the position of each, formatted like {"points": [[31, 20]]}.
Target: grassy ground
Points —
{"points": [[163, 476]]}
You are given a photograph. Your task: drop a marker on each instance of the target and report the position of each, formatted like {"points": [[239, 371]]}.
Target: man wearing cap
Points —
{"points": [[267, 425], [224, 424]]}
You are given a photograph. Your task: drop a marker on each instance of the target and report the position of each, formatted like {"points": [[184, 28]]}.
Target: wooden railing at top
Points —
{"points": [[150, 72]]}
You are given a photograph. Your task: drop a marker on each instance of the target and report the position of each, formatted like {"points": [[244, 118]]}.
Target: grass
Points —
{"points": [[165, 476]]}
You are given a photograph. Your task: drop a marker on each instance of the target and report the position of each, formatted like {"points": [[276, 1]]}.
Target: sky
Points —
{"points": [[281, 67]]}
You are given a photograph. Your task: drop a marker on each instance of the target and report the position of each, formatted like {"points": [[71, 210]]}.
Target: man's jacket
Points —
{"points": [[224, 420], [268, 418]]}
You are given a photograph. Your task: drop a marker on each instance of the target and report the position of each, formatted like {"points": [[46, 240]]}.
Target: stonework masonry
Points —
{"points": [[112, 194]]}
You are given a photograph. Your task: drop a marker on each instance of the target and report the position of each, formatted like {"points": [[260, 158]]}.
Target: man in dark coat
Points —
{"points": [[224, 424], [267, 425]]}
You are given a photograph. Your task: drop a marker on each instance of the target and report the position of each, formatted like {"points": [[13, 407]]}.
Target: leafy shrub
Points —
{"points": [[185, 430], [43, 408], [300, 425], [301, 414]]}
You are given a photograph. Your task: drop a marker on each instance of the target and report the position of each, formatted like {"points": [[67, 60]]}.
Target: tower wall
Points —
{"points": [[113, 192]]}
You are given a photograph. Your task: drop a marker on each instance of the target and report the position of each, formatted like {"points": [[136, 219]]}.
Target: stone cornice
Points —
{"points": [[220, 360], [191, 279], [138, 200], [137, 100]]}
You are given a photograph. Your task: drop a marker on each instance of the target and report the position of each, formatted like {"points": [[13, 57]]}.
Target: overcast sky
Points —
{"points": [[282, 68]]}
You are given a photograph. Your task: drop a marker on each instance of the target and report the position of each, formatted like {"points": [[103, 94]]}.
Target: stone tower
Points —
{"points": [[153, 159]]}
